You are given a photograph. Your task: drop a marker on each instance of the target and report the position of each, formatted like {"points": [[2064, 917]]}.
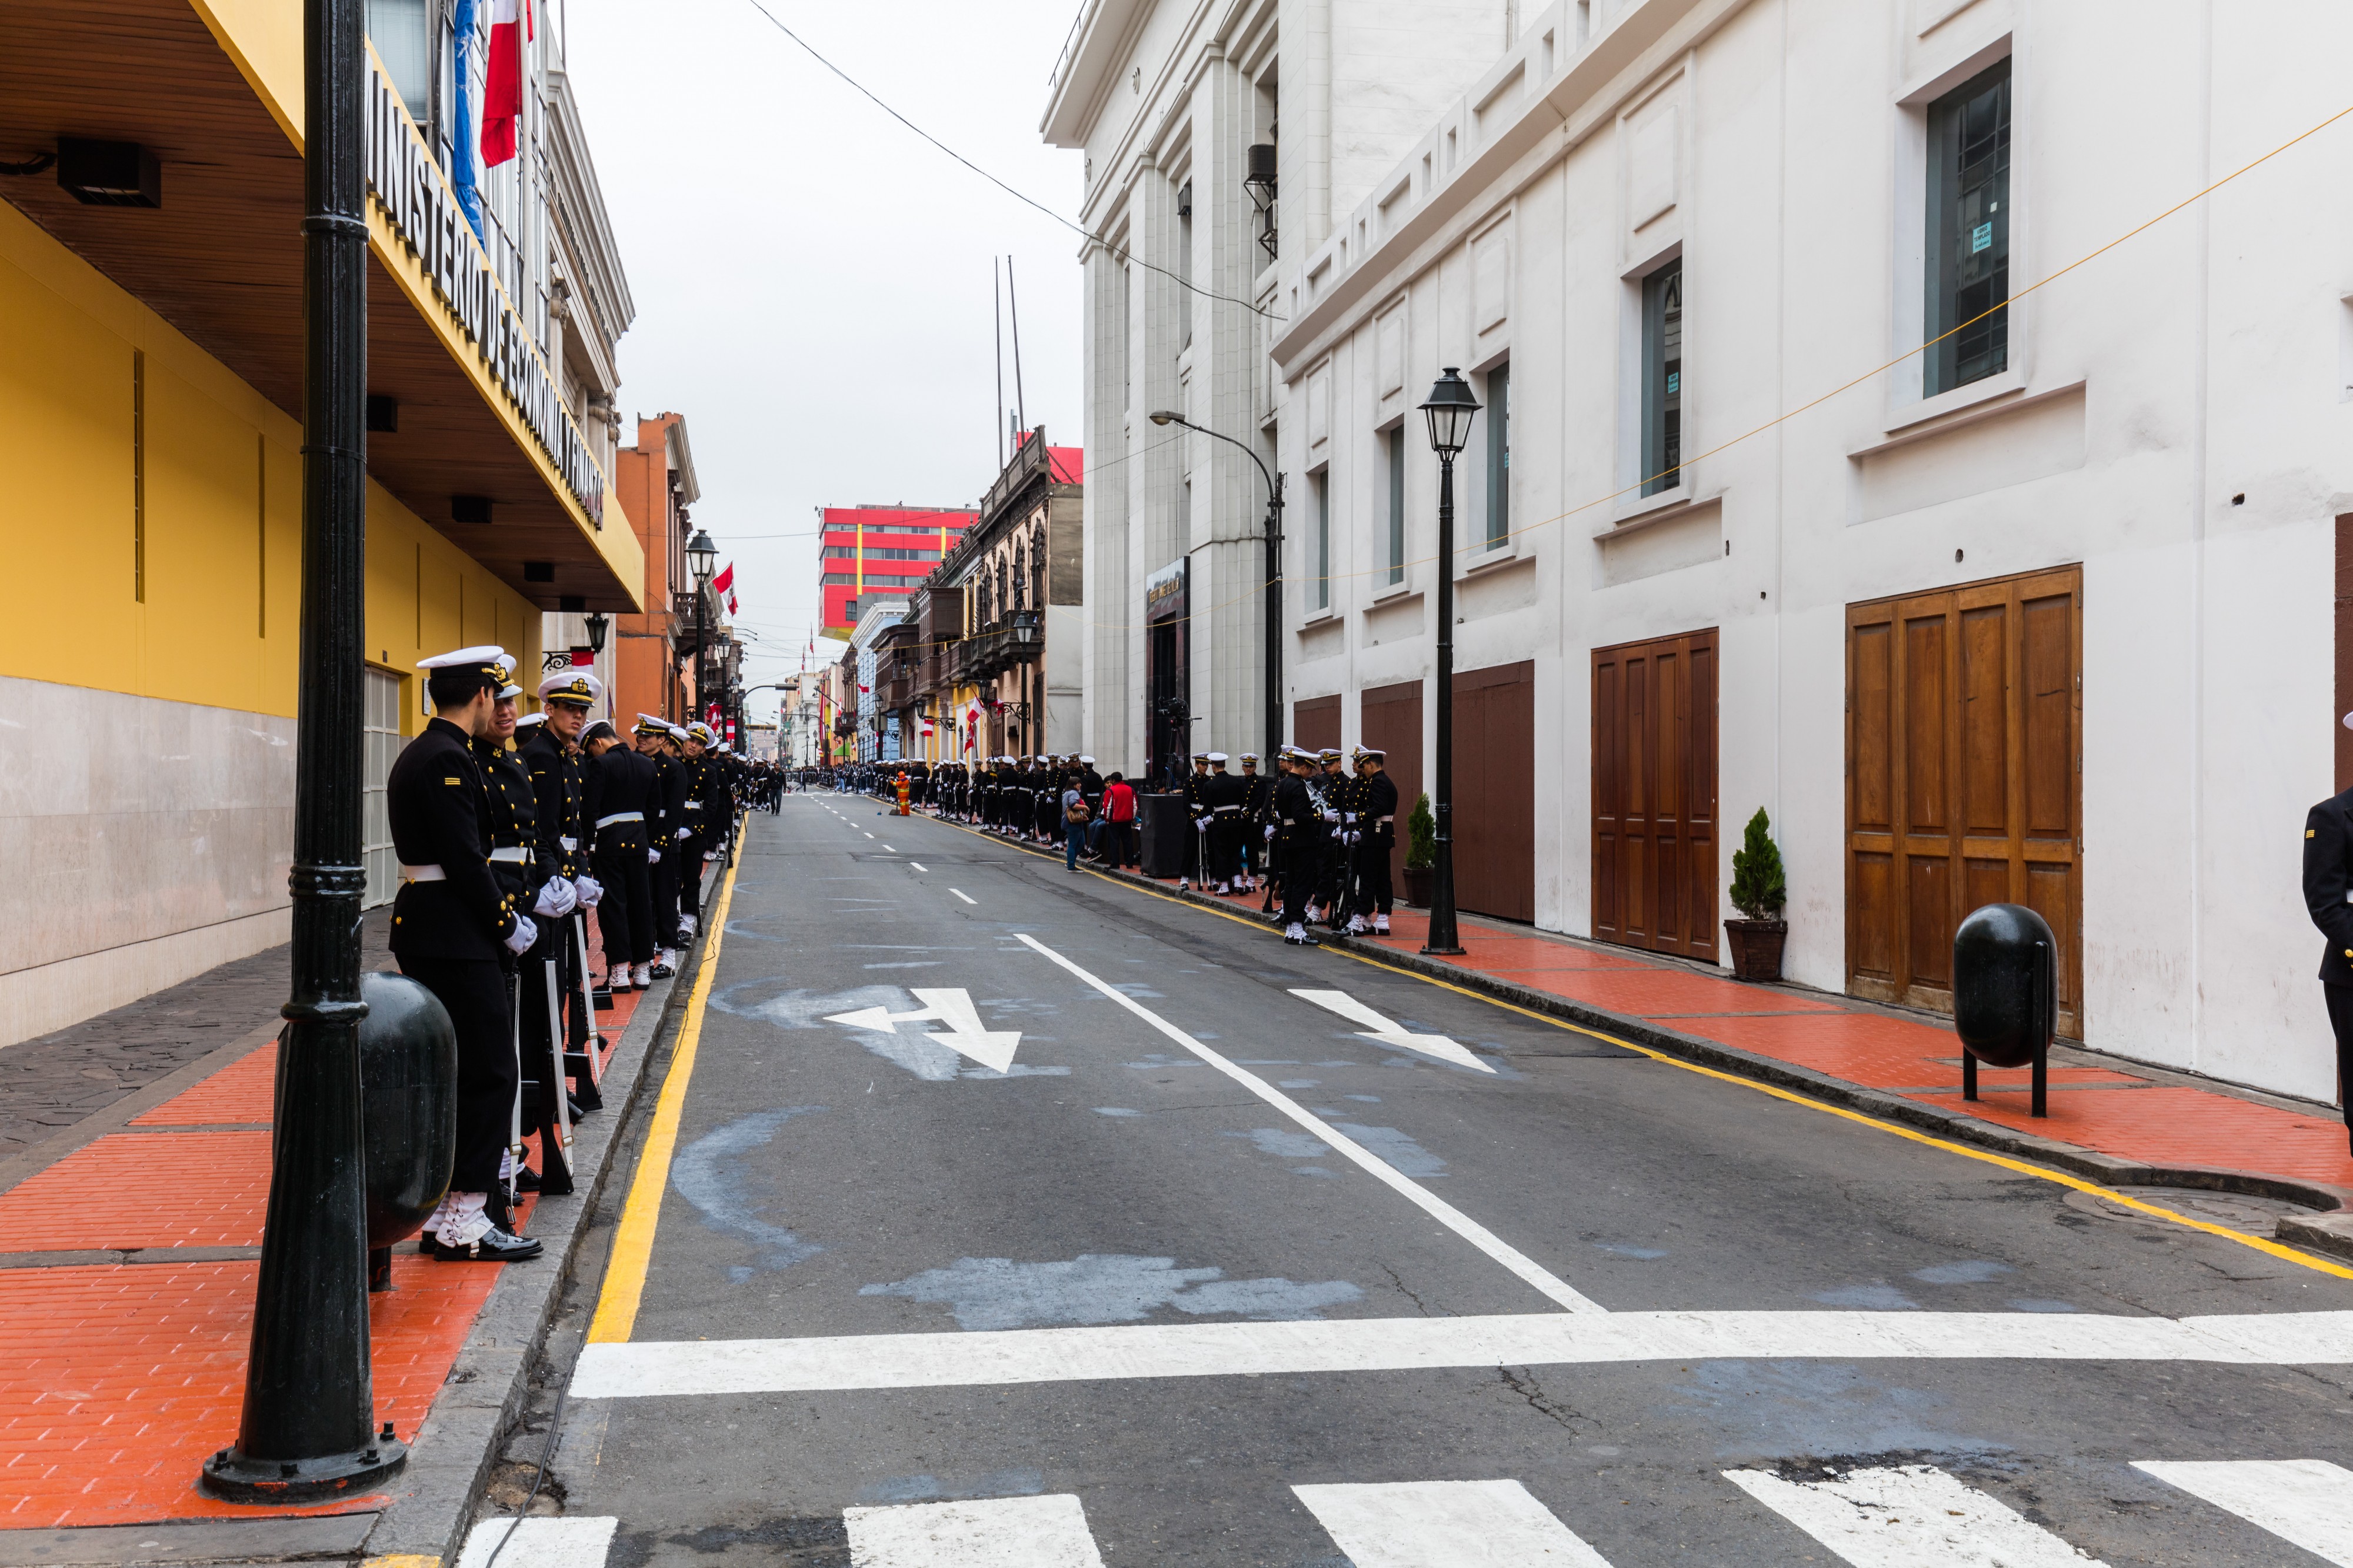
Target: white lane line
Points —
{"points": [[1446, 1524], [886, 846], [1389, 1033], [1348, 1148], [868, 835], [984, 1532], [992, 1357], [1912, 1517], [920, 867], [960, 893], [2305, 1502], [567, 1543]]}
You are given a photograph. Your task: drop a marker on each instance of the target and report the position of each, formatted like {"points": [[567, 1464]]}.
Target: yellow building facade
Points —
{"points": [[149, 526]]}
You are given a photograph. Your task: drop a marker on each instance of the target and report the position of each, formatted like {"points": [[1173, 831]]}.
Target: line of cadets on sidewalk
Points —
{"points": [[1315, 839], [509, 829]]}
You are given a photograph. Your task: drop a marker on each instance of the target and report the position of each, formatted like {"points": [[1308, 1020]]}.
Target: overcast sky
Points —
{"points": [[811, 279]]}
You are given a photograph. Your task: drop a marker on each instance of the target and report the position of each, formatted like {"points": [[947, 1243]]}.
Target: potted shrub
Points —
{"points": [[1421, 853], [1759, 892]]}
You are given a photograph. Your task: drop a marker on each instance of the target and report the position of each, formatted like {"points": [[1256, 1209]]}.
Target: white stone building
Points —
{"points": [[1972, 625]]}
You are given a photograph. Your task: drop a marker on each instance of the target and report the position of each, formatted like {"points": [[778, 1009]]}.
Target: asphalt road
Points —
{"points": [[1211, 1275]]}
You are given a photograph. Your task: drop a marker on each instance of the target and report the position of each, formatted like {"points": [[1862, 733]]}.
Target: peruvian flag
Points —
{"points": [[724, 585], [510, 26]]}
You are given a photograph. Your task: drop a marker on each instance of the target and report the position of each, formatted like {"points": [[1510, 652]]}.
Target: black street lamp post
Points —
{"points": [[1450, 411], [702, 555], [1274, 575], [308, 1431]]}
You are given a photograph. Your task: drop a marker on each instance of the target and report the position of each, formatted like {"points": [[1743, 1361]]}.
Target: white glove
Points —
{"points": [[1200, 825], [684, 833], [653, 857], [555, 898], [587, 889], [518, 940], [1331, 815], [1269, 832], [1354, 835]]}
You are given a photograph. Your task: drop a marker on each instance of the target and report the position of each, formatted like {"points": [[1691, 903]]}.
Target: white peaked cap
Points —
{"points": [[486, 656], [573, 683], [530, 718], [1216, 756], [1086, 761]]}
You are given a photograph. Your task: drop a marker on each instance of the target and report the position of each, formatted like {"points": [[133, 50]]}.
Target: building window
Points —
{"points": [[401, 33], [1499, 455], [1393, 458], [1319, 592], [1968, 232], [381, 742], [1662, 378]]}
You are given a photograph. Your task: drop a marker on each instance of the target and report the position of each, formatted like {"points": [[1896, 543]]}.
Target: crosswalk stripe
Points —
{"points": [[569, 1542], [1913, 1516], [2307, 1502], [1446, 1524], [983, 1533]]}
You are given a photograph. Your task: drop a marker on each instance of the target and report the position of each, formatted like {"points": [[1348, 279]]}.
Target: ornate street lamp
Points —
{"points": [[1450, 411], [1273, 546], [597, 624], [308, 1431], [702, 558]]}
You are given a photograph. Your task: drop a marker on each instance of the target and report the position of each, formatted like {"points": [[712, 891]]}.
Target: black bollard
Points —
{"points": [[2006, 994], [408, 1110]]}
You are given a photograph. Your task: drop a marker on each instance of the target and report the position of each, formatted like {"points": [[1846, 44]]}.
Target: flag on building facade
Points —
{"points": [[510, 29]]}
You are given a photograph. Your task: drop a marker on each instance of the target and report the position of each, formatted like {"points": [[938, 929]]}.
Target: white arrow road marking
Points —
{"points": [[977, 1533], [1913, 1516], [983, 1533], [1389, 1033], [991, 1048], [540, 1543], [1446, 1524], [1528, 1269], [2305, 1502], [993, 1357]]}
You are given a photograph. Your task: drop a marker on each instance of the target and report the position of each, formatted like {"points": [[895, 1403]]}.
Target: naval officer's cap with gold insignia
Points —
{"points": [[572, 688], [475, 667]]}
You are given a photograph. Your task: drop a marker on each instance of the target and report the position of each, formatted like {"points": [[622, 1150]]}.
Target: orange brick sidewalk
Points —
{"points": [[122, 1377]]}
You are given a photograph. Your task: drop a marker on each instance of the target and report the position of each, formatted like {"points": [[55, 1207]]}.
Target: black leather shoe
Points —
{"points": [[576, 1109], [526, 1180], [663, 972], [495, 1247]]}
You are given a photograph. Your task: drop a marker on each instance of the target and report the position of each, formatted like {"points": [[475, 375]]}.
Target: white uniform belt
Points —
{"points": [[1386, 819], [695, 805], [423, 873], [621, 816], [514, 855], [570, 845], [1228, 810]]}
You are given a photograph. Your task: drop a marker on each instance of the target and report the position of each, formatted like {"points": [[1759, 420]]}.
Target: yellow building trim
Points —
{"points": [[263, 38], [223, 504]]}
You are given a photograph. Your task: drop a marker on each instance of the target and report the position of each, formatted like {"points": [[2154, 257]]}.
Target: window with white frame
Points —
{"points": [[1662, 378], [1967, 316], [1319, 590], [1499, 455]]}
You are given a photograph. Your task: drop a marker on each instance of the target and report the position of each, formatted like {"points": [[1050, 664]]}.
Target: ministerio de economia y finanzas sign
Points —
{"points": [[423, 210]]}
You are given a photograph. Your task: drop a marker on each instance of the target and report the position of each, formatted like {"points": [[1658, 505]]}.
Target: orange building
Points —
{"points": [[653, 665]]}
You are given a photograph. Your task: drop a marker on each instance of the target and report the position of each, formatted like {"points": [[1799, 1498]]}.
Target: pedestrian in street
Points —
{"points": [[1119, 819], [1075, 817], [2329, 894], [456, 932]]}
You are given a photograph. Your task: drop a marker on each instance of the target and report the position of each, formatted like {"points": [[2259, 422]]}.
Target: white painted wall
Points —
{"points": [[2207, 357]]}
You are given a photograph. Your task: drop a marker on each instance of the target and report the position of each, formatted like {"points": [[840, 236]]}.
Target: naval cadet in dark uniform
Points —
{"points": [[1299, 834], [457, 933], [1221, 791], [1376, 803], [619, 789], [2329, 894], [708, 810], [551, 754]]}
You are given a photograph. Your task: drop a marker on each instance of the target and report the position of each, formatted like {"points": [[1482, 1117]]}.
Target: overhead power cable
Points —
{"points": [[1081, 230]]}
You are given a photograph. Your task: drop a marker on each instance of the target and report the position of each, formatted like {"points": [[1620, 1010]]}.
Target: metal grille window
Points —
{"points": [[1393, 456], [1968, 232], [1499, 455], [1662, 378], [382, 744]]}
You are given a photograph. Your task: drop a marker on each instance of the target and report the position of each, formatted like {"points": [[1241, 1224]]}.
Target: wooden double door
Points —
{"points": [[1964, 778], [1655, 811]]}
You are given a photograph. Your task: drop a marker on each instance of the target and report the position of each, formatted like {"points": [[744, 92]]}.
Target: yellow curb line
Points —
{"points": [[633, 1241], [2261, 1243]]}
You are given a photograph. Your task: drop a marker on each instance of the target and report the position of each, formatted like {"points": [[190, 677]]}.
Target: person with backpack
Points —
{"points": [[1075, 817]]}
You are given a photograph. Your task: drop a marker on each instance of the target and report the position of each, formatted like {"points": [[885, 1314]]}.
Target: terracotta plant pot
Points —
{"points": [[1756, 947], [1417, 885]]}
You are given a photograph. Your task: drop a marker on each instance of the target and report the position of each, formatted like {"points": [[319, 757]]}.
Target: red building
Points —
{"points": [[864, 551]]}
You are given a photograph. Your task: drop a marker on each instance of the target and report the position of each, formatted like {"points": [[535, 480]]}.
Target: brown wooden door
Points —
{"points": [[1964, 778], [1655, 811], [1496, 791], [1392, 722], [1315, 724]]}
